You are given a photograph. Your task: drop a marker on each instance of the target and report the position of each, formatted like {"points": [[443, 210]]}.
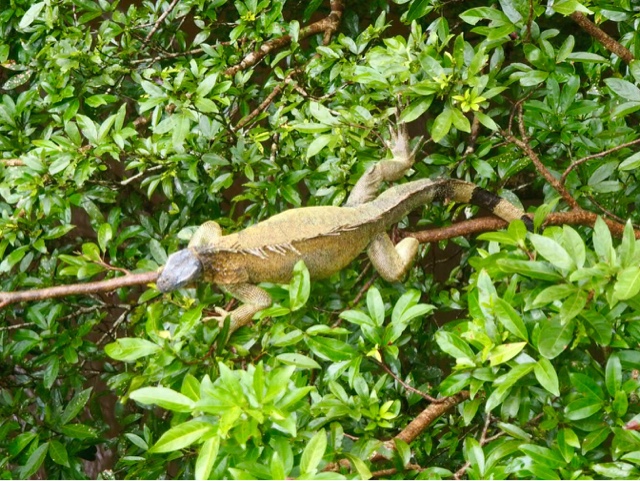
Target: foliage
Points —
{"points": [[121, 131]]}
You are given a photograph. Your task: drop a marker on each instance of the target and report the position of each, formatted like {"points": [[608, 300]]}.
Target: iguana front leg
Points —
{"points": [[368, 186], [391, 262], [253, 299]]}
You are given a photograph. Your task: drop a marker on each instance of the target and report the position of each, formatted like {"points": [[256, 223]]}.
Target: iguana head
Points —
{"points": [[182, 268]]}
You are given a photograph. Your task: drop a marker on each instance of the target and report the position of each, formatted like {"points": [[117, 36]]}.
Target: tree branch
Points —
{"points": [[156, 26], [540, 167], [595, 156], [607, 42], [328, 24], [489, 224], [7, 298]]}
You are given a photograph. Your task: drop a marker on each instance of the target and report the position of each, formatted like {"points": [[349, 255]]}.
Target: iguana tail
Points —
{"points": [[396, 202]]}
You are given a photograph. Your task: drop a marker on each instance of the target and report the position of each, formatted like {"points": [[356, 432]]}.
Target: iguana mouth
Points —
{"points": [[182, 268]]}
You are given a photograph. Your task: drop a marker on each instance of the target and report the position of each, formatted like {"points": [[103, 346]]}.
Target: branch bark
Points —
{"points": [[329, 24], [7, 298], [489, 224], [607, 42]]}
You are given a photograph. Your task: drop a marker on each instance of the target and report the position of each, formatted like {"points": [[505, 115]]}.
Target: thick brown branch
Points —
{"points": [[408, 387], [429, 415], [328, 24], [609, 43], [7, 298], [488, 224]]}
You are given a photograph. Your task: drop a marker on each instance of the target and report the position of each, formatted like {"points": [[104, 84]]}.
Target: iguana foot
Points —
{"points": [[219, 317], [388, 170]]}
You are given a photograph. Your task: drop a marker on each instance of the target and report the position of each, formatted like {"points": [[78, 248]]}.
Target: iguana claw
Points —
{"points": [[182, 268]]}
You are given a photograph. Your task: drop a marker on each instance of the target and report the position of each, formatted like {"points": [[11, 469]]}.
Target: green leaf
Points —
{"points": [[504, 384], [613, 374], [28, 18], [515, 431], [375, 306], [207, 458], [487, 121], [623, 88], [454, 345], [206, 85], [474, 454], [534, 269], [298, 360], [319, 143], [573, 305], [555, 337], [312, 454], [567, 7], [582, 408], [331, 349], [533, 78], [505, 352], [616, 470], [542, 455], [547, 376], [510, 319], [454, 383], [78, 431], [76, 405], [630, 163], [363, 470], [105, 234], [586, 385], [182, 435], [129, 349], [34, 462], [58, 453], [416, 108], [460, 121], [164, 397], [418, 9], [300, 286], [442, 125], [553, 252], [627, 283], [595, 439], [602, 243]]}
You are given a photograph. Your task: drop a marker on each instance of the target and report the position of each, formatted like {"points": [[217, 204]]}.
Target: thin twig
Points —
{"points": [[166, 56], [17, 326], [156, 26], [408, 387], [267, 101], [595, 156], [140, 174]]}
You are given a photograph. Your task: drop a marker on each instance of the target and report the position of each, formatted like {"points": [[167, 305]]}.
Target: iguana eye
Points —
{"points": [[182, 268]]}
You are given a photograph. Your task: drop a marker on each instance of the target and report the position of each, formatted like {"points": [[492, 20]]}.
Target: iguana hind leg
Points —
{"points": [[392, 262], [253, 299], [367, 187]]}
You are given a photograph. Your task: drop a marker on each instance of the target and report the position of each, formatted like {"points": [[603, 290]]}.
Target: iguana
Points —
{"points": [[327, 238]]}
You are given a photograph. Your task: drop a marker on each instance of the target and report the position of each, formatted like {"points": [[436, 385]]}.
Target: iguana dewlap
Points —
{"points": [[326, 238]]}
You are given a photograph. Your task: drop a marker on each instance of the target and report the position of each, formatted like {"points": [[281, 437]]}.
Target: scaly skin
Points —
{"points": [[326, 238]]}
